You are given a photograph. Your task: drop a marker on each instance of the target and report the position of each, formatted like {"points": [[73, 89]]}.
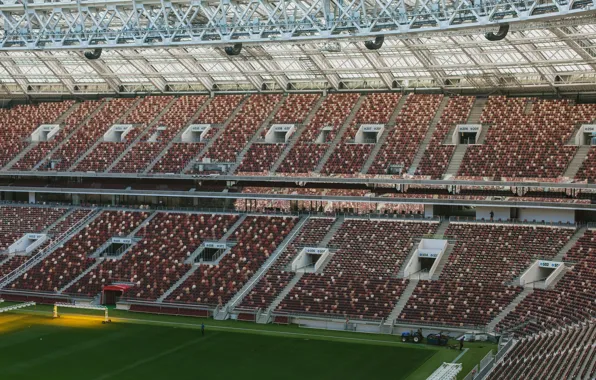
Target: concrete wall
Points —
{"points": [[428, 211], [549, 215]]}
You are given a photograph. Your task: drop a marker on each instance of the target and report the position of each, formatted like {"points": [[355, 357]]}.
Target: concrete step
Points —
{"points": [[442, 228], [83, 274], [62, 118], [476, 112], [429, 134], [141, 135], [516, 301], [178, 283], [283, 294], [339, 135], [577, 161], [456, 160], [401, 303], [576, 236], [232, 229], [20, 155], [176, 138], [332, 231]]}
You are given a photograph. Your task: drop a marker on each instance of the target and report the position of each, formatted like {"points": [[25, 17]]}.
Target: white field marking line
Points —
{"points": [[151, 358], [224, 328], [460, 355]]}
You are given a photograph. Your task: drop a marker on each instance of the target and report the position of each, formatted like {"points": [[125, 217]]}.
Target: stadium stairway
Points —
{"points": [[265, 317], [388, 128], [441, 229], [219, 132], [516, 301], [456, 160], [72, 133], [429, 134], [100, 140], [178, 283], [339, 135], [33, 144], [176, 138], [238, 297], [38, 257], [83, 274], [570, 243], [476, 112], [401, 303], [257, 135], [296, 136], [60, 220], [577, 161], [332, 231], [141, 135], [442, 263]]}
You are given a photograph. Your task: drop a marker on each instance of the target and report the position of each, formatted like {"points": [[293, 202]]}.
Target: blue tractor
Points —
{"points": [[412, 336]]}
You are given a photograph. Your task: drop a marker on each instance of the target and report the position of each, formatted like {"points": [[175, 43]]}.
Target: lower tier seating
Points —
{"points": [[565, 353]]}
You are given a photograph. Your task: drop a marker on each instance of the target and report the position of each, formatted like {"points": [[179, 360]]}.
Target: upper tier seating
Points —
{"points": [[240, 130], [573, 298], [587, 171], [260, 158], [17, 124], [156, 262], [348, 157], [276, 278], [141, 116], [41, 150], [472, 288], [307, 152], [70, 260], [566, 353], [256, 239], [435, 160], [359, 280], [154, 142], [410, 128], [88, 134], [295, 108], [522, 144], [178, 156]]}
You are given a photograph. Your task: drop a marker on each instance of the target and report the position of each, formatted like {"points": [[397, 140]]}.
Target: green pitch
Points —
{"points": [[146, 347]]}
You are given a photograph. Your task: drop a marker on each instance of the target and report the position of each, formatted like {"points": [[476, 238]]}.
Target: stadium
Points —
{"points": [[298, 189]]}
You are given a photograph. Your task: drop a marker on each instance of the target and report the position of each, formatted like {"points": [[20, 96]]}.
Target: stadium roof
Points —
{"points": [[551, 56]]}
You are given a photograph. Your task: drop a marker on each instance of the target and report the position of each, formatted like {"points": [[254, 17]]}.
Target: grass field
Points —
{"points": [[145, 347]]}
